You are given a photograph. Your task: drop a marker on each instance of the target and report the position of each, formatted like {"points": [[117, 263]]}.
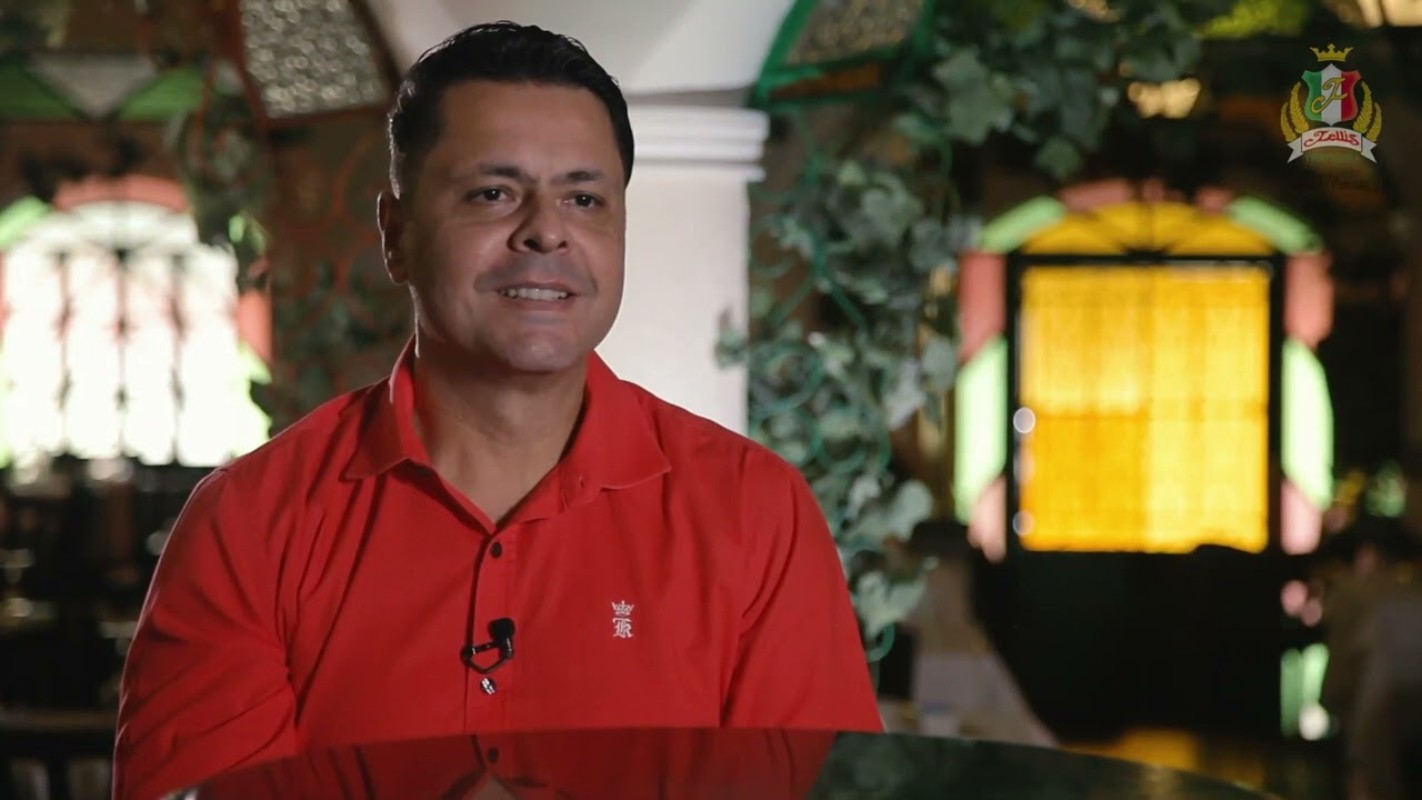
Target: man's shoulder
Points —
{"points": [[323, 440], [693, 441]]}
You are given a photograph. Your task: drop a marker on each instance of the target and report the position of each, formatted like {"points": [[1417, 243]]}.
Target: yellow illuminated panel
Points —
{"points": [[1148, 392], [1171, 228]]}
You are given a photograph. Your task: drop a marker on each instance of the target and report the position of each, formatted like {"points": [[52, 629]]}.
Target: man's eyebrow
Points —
{"points": [[490, 169], [586, 175], [513, 172]]}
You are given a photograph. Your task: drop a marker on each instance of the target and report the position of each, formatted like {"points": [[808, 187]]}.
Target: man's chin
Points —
{"points": [[541, 359]]}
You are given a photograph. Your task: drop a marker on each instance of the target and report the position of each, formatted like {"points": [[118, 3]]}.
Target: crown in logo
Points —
{"points": [[622, 609], [1332, 53]]}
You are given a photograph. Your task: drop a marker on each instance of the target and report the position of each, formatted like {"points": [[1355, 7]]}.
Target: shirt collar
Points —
{"points": [[615, 445]]}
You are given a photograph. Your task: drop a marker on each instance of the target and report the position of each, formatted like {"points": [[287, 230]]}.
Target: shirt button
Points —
{"points": [[497, 550], [493, 755]]}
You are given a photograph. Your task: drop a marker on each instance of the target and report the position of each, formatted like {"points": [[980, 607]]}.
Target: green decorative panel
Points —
{"points": [[70, 89], [1301, 675], [95, 84], [980, 420], [25, 97], [173, 93], [1307, 427], [1287, 232], [1009, 231], [17, 218]]}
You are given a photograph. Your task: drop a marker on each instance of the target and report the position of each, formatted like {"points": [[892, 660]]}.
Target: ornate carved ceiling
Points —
{"points": [[651, 46]]}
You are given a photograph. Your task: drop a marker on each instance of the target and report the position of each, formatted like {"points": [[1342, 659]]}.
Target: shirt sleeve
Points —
{"points": [[801, 662], [205, 687]]}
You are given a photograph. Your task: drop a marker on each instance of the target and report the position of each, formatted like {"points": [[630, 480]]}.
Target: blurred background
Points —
{"points": [[1104, 361]]}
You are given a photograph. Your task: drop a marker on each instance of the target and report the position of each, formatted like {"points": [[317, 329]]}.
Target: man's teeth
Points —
{"points": [[534, 294]]}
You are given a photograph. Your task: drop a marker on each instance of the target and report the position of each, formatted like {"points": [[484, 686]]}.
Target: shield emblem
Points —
{"points": [[1331, 95]]}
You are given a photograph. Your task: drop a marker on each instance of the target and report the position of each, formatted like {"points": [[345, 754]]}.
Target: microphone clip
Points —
{"points": [[502, 632]]}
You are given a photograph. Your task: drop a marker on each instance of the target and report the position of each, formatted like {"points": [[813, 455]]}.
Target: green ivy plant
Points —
{"points": [[324, 321], [226, 175], [857, 346], [826, 396]]}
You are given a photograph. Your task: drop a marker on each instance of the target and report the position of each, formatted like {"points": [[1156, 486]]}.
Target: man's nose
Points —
{"points": [[543, 230]]}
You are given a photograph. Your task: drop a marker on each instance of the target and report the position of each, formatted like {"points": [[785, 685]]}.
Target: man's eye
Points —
{"points": [[586, 201], [492, 195]]}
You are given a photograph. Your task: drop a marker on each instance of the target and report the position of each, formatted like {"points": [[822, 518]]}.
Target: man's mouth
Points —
{"points": [[533, 293]]}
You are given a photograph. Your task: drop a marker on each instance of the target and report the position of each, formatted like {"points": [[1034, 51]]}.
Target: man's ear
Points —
{"points": [[390, 216]]}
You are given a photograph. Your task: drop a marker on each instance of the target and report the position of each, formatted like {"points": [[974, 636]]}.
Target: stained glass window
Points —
{"points": [[120, 339], [1144, 421]]}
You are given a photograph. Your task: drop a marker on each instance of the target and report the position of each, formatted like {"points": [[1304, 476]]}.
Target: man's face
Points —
{"points": [[511, 236]]}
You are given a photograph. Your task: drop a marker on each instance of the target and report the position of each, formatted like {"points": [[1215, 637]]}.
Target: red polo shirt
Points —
{"points": [[319, 591]]}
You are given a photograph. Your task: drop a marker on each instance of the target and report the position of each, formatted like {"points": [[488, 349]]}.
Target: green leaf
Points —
{"points": [[912, 504], [1059, 157], [794, 451], [732, 347], [835, 354], [1042, 83], [881, 603], [1152, 65], [865, 488], [932, 412], [918, 129], [903, 396], [1187, 52], [887, 212], [794, 235], [840, 424], [1104, 58], [1071, 48], [1078, 122], [961, 68], [852, 174], [782, 427], [978, 102], [931, 246], [314, 386], [1020, 15], [940, 363]]}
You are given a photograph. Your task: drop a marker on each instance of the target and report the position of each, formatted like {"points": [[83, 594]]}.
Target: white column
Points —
{"points": [[688, 250]]}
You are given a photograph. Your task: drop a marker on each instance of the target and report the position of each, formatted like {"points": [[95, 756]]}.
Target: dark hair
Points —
{"points": [[504, 52]]}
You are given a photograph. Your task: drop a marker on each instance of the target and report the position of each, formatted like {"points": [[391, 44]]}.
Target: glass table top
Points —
{"points": [[706, 764]]}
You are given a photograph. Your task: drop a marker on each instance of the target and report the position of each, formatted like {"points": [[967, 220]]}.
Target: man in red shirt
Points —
{"points": [[622, 562]]}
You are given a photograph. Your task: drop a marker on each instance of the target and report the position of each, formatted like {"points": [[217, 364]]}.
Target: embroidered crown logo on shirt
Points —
{"points": [[622, 620]]}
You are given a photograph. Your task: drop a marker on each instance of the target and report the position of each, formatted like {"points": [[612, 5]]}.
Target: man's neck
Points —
{"points": [[491, 433]]}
